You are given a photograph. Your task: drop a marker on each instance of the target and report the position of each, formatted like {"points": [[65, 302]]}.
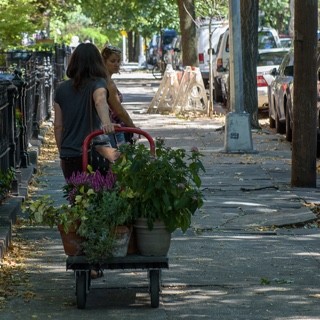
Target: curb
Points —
{"points": [[8, 216], [10, 209]]}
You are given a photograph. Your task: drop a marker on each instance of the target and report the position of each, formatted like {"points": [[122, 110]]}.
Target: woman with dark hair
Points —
{"points": [[80, 106]]}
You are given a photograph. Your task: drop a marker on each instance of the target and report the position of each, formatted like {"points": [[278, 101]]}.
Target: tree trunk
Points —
{"points": [[130, 46], [136, 47], [249, 34], [291, 22], [304, 135], [188, 32]]}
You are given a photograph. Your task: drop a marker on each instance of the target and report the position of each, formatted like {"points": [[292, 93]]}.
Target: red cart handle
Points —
{"points": [[93, 134]]}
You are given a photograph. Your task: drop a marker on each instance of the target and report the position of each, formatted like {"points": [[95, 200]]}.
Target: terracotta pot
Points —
{"points": [[72, 242], [155, 242]]}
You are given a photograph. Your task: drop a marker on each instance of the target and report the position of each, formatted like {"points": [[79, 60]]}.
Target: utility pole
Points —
{"points": [[238, 138]]}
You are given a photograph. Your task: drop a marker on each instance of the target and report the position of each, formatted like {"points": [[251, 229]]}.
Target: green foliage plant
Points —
{"points": [[276, 14], [100, 225], [162, 187], [6, 179], [95, 207]]}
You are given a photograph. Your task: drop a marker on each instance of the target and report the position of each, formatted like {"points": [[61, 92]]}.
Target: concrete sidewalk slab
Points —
{"points": [[233, 263]]}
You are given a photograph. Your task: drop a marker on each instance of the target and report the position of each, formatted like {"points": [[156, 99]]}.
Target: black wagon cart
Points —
{"points": [[152, 264], [82, 269]]}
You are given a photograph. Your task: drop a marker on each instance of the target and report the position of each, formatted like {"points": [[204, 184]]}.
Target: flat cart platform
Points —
{"points": [[82, 269]]}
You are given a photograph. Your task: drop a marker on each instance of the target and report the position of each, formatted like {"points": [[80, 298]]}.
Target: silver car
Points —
{"points": [[268, 60], [280, 94]]}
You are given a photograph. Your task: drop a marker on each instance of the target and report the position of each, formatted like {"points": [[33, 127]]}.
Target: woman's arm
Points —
{"points": [[102, 107], [57, 125], [116, 106]]}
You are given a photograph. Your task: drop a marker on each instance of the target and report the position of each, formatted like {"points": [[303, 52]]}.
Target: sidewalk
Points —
{"points": [[237, 261]]}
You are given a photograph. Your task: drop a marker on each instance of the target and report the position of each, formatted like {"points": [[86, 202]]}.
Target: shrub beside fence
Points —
{"points": [[27, 83]]}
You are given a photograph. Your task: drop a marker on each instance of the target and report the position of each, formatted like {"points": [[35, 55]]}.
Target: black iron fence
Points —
{"points": [[27, 83]]}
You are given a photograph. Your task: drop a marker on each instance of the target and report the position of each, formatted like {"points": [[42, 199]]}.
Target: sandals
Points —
{"points": [[96, 273]]}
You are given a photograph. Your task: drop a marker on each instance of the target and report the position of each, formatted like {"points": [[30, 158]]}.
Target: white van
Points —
{"points": [[217, 28], [267, 38]]}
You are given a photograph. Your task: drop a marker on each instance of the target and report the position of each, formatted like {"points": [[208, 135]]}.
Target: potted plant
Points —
{"points": [[93, 214], [164, 187], [66, 217], [107, 226]]}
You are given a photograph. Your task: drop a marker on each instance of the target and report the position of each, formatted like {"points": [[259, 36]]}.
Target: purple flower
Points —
{"points": [[95, 181]]}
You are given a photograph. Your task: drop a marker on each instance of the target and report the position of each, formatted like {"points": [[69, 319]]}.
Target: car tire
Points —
{"points": [[217, 91], [272, 122], [288, 125], [280, 126]]}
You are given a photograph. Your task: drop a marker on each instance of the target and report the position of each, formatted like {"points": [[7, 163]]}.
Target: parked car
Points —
{"points": [[267, 38], [281, 96], [268, 59], [161, 47], [217, 28], [286, 42]]}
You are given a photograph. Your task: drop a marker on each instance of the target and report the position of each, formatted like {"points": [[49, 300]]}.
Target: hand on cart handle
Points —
{"points": [[93, 134], [110, 128], [138, 134]]}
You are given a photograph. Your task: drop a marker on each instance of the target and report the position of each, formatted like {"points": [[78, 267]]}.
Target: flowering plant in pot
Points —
{"points": [[80, 190], [164, 186], [95, 209]]}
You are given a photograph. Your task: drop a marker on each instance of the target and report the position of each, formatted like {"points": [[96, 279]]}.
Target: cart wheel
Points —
{"points": [[154, 287], [81, 289]]}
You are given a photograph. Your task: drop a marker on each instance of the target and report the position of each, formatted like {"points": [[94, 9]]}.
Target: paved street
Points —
{"points": [[252, 252]]}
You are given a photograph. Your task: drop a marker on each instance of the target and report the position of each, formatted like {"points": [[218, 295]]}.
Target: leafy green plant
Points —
{"points": [[162, 187], [100, 225], [95, 206], [43, 211], [6, 179]]}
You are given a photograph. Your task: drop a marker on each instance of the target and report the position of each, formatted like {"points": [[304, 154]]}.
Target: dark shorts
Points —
{"points": [[70, 165]]}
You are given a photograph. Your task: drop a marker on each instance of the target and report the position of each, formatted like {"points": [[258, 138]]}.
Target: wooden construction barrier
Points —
{"points": [[192, 96], [180, 92], [165, 97]]}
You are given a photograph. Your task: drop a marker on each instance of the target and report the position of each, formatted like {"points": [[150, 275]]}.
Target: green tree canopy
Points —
{"points": [[21, 17], [109, 17], [212, 8], [275, 14], [77, 24], [143, 16], [15, 20]]}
